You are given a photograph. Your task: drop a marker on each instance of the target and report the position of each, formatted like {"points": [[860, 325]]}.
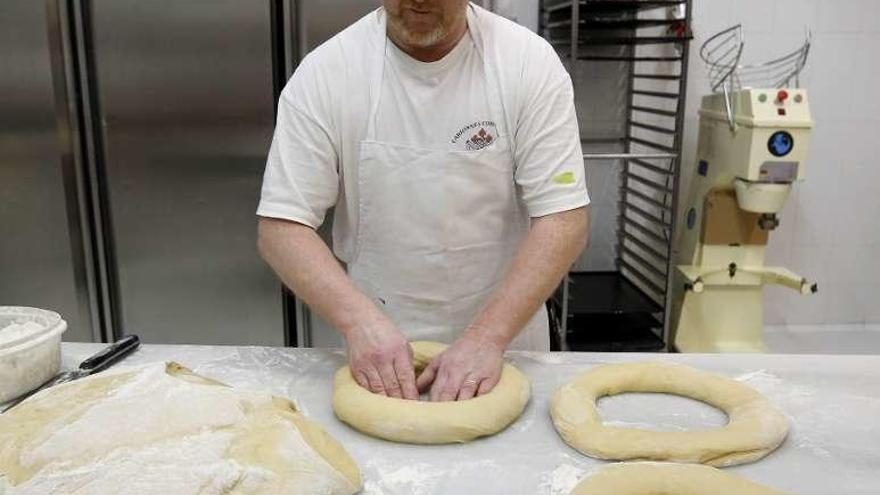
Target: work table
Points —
{"points": [[833, 403]]}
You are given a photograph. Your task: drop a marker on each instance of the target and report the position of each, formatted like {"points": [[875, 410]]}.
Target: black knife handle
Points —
{"points": [[111, 355]]}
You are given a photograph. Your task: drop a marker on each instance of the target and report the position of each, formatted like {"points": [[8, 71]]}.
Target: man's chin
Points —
{"points": [[424, 39]]}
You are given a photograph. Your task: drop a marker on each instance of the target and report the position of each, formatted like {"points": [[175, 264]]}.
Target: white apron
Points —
{"points": [[438, 229]]}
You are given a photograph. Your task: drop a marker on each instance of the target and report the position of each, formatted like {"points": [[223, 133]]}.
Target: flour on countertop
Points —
{"points": [[412, 479], [543, 357], [561, 480], [393, 478], [811, 421]]}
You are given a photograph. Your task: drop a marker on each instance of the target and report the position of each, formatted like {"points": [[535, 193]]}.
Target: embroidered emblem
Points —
{"points": [[482, 134], [479, 140]]}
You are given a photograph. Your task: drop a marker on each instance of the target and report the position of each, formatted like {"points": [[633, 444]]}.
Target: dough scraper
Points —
{"points": [[97, 363]]}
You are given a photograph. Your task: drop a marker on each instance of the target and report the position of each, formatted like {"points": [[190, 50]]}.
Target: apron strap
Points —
{"points": [[493, 81], [377, 75]]}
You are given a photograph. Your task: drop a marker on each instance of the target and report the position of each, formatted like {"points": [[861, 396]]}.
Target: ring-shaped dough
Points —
{"points": [[423, 422], [755, 426], [648, 478]]}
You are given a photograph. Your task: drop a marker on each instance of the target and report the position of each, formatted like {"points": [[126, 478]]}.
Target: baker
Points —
{"points": [[445, 139]]}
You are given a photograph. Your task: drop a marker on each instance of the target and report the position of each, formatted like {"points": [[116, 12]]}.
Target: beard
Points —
{"points": [[417, 37]]}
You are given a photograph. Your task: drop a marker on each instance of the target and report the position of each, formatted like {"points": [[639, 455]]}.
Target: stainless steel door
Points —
{"points": [[38, 244], [316, 22], [184, 92], [320, 20]]}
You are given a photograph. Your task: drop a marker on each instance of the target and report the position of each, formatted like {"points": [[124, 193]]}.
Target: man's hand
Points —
{"points": [[380, 359], [470, 367]]}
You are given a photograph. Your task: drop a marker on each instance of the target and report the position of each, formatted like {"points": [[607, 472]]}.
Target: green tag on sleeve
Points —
{"points": [[565, 178]]}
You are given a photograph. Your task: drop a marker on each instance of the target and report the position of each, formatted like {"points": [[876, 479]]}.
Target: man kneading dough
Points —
{"points": [[446, 139]]}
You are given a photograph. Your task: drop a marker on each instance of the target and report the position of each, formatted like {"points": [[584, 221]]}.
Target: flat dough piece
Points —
{"points": [[423, 422], [161, 429], [755, 426], [648, 478]]}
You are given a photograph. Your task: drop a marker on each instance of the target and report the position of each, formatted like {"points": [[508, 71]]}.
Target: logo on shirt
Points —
{"points": [[479, 135]]}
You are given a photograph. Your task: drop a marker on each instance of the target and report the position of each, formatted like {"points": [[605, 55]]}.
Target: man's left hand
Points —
{"points": [[470, 367]]}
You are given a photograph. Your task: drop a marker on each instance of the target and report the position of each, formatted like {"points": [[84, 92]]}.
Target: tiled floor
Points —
{"points": [[824, 339]]}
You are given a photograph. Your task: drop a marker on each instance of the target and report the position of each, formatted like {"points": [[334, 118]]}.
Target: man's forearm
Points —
{"points": [[306, 265], [552, 245]]}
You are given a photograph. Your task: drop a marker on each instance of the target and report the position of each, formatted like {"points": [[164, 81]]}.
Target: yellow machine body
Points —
{"points": [[746, 167]]}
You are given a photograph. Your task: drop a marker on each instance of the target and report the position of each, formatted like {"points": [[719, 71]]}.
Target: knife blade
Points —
{"points": [[99, 362]]}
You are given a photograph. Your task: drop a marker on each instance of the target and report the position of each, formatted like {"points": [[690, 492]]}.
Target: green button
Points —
{"points": [[762, 97]]}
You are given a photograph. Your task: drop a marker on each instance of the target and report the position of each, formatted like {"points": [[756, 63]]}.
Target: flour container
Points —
{"points": [[30, 349]]}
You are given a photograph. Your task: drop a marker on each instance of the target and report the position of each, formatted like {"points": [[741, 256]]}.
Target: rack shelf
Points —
{"points": [[614, 6], [605, 24], [628, 309], [610, 313]]}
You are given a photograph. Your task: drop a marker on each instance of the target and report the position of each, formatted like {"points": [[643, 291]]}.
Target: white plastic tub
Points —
{"points": [[30, 349]]}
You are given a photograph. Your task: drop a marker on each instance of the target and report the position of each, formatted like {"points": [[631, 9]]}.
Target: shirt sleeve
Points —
{"points": [[549, 159], [301, 181]]}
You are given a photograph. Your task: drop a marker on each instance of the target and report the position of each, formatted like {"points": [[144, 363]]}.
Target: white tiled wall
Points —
{"points": [[831, 226]]}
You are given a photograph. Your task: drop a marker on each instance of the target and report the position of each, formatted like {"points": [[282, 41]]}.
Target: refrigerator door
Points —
{"points": [[320, 20], [184, 97], [41, 262]]}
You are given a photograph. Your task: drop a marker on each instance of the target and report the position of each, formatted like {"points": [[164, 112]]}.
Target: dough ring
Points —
{"points": [[425, 422], [755, 426], [648, 478]]}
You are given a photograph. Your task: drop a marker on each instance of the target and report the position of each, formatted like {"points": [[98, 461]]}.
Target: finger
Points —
{"points": [[468, 389], [374, 381], [487, 385], [361, 379], [406, 377], [423, 383], [389, 380], [450, 390], [439, 383]]}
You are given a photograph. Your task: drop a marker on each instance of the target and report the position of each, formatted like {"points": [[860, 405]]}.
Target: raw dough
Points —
{"points": [[425, 422], [648, 478], [755, 428], [161, 429]]}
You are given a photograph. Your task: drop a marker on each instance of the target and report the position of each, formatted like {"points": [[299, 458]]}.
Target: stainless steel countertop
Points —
{"points": [[833, 403]]}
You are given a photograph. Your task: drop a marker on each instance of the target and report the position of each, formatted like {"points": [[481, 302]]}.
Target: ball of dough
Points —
{"points": [[648, 478], [423, 422], [755, 426]]}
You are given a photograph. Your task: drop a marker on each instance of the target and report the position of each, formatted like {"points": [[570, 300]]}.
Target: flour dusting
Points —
{"points": [[160, 434], [544, 357], [19, 331], [813, 421], [561, 480], [392, 479]]}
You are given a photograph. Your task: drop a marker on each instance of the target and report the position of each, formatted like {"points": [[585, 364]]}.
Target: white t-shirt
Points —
{"points": [[323, 112], [437, 105]]}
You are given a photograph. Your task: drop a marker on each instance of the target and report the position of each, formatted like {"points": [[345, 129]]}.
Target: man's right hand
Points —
{"points": [[379, 355], [380, 359]]}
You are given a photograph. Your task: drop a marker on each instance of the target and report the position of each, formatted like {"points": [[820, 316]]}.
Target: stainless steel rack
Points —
{"points": [[650, 38]]}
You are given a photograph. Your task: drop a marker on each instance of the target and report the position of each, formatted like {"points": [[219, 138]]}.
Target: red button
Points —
{"points": [[782, 96]]}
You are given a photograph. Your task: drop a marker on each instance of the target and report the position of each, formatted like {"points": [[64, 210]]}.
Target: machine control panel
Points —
{"points": [[782, 101]]}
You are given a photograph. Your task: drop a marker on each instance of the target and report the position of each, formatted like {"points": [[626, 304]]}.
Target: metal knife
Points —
{"points": [[99, 362]]}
